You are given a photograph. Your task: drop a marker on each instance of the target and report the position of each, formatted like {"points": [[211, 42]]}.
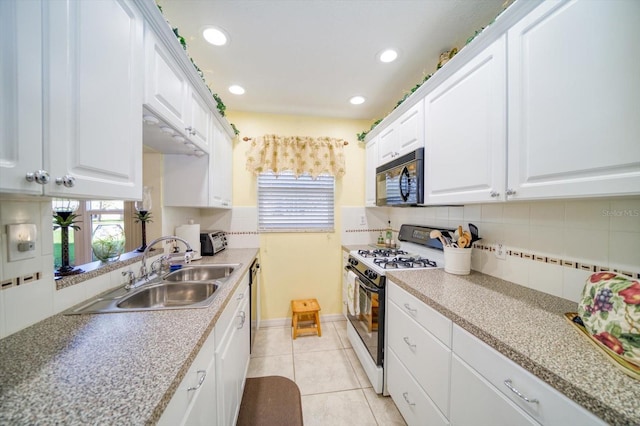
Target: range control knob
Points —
{"points": [[353, 261], [370, 274]]}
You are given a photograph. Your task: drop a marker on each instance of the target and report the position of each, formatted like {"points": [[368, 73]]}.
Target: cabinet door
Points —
{"points": [[465, 127], [387, 145], [93, 108], [232, 362], [199, 122], [221, 169], [574, 97], [166, 86], [370, 173], [474, 401], [20, 94], [411, 129]]}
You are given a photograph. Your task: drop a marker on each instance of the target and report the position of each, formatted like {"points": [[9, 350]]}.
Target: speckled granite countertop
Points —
{"points": [[528, 327], [106, 368]]}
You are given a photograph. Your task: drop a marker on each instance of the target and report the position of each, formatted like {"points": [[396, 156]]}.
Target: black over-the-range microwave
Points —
{"points": [[401, 182]]}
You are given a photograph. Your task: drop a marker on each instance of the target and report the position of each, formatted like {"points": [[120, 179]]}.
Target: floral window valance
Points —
{"points": [[300, 154]]}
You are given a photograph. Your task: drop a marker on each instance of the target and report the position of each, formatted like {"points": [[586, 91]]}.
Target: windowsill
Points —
{"points": [[95, 269]]}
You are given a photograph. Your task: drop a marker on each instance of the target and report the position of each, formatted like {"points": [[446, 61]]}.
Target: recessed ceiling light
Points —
{"points": [[357, 100], [388, 55], [236, 90], [215, 36]]}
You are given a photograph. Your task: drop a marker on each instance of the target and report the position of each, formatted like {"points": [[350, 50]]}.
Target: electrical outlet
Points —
{"points": [[500, 251], [363, 220]]}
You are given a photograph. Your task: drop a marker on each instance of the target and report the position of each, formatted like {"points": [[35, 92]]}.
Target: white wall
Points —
{"points": [[26, 304], [598, 233]]}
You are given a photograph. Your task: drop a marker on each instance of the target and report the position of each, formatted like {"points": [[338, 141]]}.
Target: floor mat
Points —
{"points": [[270, 401]]}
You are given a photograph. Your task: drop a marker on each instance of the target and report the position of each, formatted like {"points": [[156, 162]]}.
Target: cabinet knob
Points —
{"points": [[511, 191], [67, 180], [494, 194], [39, 176]]}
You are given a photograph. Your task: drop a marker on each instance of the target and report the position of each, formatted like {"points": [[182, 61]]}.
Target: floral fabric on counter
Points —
{"points": [[610, 311], [299, 154]]}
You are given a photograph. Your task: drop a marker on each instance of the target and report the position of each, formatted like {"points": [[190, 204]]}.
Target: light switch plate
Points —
{"points": [[16, 234]]}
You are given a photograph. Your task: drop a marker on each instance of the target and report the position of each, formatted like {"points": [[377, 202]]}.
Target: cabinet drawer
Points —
{"points": [[474, 401], [229, 312], [428, 359], [436, 323], [552, 408], [414, 405]]}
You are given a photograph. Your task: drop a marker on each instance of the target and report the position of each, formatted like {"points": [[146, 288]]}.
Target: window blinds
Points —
{"points": [[290, 204]]}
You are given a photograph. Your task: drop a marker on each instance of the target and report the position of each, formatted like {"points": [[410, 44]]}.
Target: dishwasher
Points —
{"points": [[254, 305]]}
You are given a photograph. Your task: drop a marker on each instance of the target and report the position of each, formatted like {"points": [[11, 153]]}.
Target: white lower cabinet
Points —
{"points": [[211, 392], [439, 374], [420, 353], [512, 382], [474, 401], [232, 355], [412, 402], [194, 400]]}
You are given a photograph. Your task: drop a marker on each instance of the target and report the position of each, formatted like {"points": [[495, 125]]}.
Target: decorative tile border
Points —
{"points": [[572, 264]]}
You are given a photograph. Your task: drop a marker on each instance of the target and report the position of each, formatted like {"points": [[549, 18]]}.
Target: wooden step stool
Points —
{"points": [[306, 311]]}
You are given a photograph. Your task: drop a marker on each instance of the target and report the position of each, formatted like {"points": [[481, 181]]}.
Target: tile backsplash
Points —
{"points": [[551, 246]]}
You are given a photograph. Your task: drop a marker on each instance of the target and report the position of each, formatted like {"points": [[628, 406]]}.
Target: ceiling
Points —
{"points": [[309, 57]]}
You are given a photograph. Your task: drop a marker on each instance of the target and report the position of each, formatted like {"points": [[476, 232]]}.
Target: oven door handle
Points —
{"points": [[368, 288]]}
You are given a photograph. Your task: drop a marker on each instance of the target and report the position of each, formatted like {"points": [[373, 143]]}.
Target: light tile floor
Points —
{"points": [[335, 389]]}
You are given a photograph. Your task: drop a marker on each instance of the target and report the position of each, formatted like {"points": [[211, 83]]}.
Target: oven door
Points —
{"points": [[369, 319]]}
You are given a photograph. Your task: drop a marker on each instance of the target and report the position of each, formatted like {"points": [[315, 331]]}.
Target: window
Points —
{"points": [[290, 204], [92, 214]]}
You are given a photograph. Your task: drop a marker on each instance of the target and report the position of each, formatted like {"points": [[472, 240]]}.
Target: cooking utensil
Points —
{"points": [[448, 237], [474, 232], [437, 234], [464, 241]]}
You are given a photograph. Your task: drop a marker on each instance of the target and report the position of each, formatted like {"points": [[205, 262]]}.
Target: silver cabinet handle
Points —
{"points": [[67, 180], [39, 176], [243, 317], [200, 382], [508, 383], [494, 194], [410, 309], [511, 191], [405, 395], [406, 340]]}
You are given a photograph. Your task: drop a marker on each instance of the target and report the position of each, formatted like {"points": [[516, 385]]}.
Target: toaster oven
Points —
{"points": [[212, 242]]}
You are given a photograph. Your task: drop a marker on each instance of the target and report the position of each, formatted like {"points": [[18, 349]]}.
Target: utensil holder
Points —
{"points": [[457, 260]]}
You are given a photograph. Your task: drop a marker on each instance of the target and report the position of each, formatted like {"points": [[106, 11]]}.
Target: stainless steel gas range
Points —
{"points": [[365, 292]]}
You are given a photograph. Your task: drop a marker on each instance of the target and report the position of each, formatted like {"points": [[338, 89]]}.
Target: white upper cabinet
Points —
{"points": [[93, 99], [21, 95], [72, 103], [370, 172], [205, 181], [574, 97], [170, 95], [465, 130], [404, 135], [221, 170], [166, 86]]}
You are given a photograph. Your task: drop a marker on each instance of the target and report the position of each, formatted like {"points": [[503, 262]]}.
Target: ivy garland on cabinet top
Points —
{"points": [[444, 58], [219, 104]]}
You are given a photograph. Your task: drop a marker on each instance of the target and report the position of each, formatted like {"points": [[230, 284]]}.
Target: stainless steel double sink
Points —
{"points": [[186, 288]]}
